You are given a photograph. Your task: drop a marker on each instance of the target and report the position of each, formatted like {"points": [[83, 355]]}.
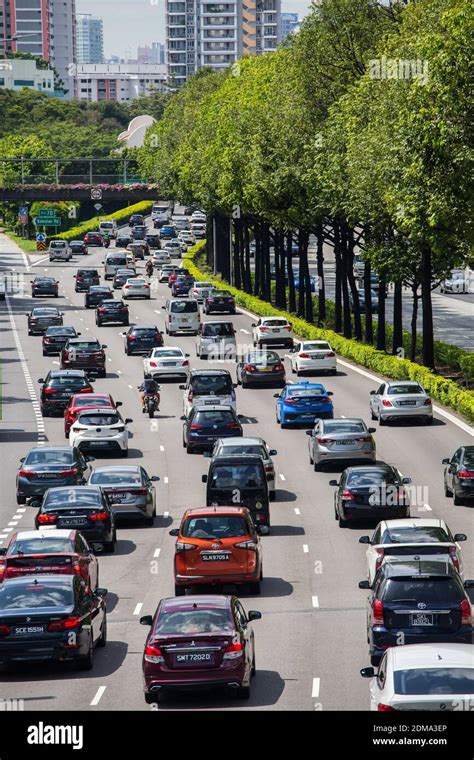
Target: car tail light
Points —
{"points": [[140, 492], [427, 402], [64, 625], [98, 516], [454, 557], [24, 473], [46, 519], [249, 368], [131, 337], [234, 425], [304, 356], [146, 285], [196, 426], [49, 391], [153, 654], [64, 473], [466, 613], [101, 309], [190, 395], [4, 630], [384, 708], [263, 328], [386, 402], [269, 468], [364, 439], [153, 364], [329, 355], [182, 547], [247, 545], [85, 390], [380, 556], [287, 327], [185, 363], [323, 399], [46, 340], [377, 612], [348, 496], [321, 439], [233, 651], [465, 474], [279, 368]]}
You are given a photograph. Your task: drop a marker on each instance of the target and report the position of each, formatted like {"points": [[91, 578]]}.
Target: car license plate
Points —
{"points": [[214, 557], [97, 443], [195, 657], [344, 443], [275, 329], [422, 618], [25, 630], [184, 319], [73, 520], [407, 403], [264, 369], [169, 364]]}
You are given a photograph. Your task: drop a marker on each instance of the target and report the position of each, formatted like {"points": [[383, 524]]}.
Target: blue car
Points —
{"points": [[206, 424], [168, 233], [303, 402], [312, 279]]}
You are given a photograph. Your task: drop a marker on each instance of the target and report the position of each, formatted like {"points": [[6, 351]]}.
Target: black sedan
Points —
{"points": [[153, 241], [44, 286], [84, 353], [55, 338], [206, 424], [59, 386], [122, 240], [78, 246], [459, 475], [142, 339], [121, 276], [374, 492], [48, 618], [42, 317], [219, 301], [130, 487], [96, 294], [85, 278], [44, 467], [261, 367], [111, 311], [139, 232], [84, 508]]}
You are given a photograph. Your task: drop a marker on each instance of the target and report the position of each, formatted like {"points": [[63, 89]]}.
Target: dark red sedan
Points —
{"points": [[199, 642]]}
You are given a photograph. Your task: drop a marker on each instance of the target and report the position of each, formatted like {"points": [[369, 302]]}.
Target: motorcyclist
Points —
{"points": [[106, 239], [149, 387], [149, 267]]}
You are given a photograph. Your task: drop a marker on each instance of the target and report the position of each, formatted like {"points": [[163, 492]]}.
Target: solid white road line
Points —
{"points": [[138, 608], [165, 479], [427, 507], [315, 690], [98, 696], [166, 514]]}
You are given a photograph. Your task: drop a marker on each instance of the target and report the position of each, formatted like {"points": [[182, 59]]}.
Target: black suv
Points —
{"points": [[219, 300], [142, 339], [47, 466], [55, 338], [96, 294], [239, 480], [416, 601], [139, 232], [42, 317], [44, 286], [85, 278], [58, 387], [112, 311], [84, 353]]}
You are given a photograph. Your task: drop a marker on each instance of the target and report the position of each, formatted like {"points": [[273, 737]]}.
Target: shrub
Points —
{"points": [[90, 225]]}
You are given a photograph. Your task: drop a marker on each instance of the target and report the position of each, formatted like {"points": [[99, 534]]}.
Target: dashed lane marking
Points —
{"points": [[305, 548], [315, 689], [315, 601], [156, 553], [138, 608], [98, 696]]}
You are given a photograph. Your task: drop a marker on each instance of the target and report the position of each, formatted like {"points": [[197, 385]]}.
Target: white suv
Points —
{"points": [[208, 387], [100, 429], [272, 331], [59, 250]]}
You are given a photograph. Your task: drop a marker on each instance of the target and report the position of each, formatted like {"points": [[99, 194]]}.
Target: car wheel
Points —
{"points": [[189, 449], [254, 668], [317, 466], [255, 588], [375, 660], [127, 352], [103, 634], [243, 692], [311, 460], [20, 499], [447, 491], [179, 590], [44, 412], [457, 501], [382, 422], [372, 415], [244, 384], [109, 546], [272, 495], [342, 522], [124, 453], [87, 662], [151, 698]]}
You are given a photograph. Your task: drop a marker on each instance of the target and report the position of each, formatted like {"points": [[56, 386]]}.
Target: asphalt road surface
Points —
{"points": [[311, 640]]}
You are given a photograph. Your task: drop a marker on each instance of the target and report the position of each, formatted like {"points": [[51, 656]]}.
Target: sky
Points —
{"points": [[129, 23]]}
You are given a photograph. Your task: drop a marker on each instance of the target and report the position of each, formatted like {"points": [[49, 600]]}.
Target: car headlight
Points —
{"points": [[259, 504]]}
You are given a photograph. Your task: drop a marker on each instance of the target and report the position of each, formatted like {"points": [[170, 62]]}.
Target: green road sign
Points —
{"points": [[40, 221], [47, 212]]}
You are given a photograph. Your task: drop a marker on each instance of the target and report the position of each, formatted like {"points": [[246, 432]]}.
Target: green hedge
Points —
{"points": [[445, 391], [90, 225]]}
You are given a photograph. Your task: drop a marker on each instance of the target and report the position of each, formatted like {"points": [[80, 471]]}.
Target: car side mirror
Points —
{"points": [[3, 551], [333, 483], [174, 532], [101, 592], [104, 345], [276, 395], [469, 584], [118, 403], [254, 615], [187, 355], [364, 540], [406, 480], [146, 620], [40, 380], [163, 307], [272, 453], [182, 387], [445, 461], [78, 334], [364, 585], [204, 478], [309, 432], [22, 460], [330, 393], [372, 430], [183, 417], [128, 420], [367, 672], [460, 537], [372, 393], [155, 478]]}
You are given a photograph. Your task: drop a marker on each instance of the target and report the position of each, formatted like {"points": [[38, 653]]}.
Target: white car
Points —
{"points": [[160, 257], [96, 430], [409, 537], [215, 340], [165, 271], [400, 399], [200, 290], [199, 230], [198, 216], [423, 677], [173, 247], [206, 387], [272, 331], [187, 236], [313, 356], [59, 251], [166, 360], [136, 287], [459, 281]]}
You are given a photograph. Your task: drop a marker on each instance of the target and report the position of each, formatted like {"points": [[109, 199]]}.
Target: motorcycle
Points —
{"points": [[151, 404], [149, 268]]}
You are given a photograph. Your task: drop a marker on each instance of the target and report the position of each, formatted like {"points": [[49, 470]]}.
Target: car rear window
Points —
{"points": [[422, 535], [87, 272], [89, 400], [163, 353], [246, 475], [112, 478], [209, 417], [218, 330], [112, 304], [395, 390], [468, 458], [35, 595], [64, 497], [361, 478], [316, 346], [244, 449], [66, 331], [49, 457], [193, 621], [48, 545], [45, 312], [214, 385], [117, 260], [275, 322], [57, 244], [145, 332], [219, 293], [344, 427], [84, 344], [428, 590], [184, 307], [215, 526], [67, 382], [270, 357], [434, 681], [98, 419], [307, 392]]}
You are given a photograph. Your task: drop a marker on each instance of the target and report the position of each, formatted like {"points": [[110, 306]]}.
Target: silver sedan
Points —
{"points": [[341, 439], [400, 399], [130, 489]]}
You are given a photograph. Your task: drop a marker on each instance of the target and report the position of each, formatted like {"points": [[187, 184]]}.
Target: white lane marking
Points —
{"points": [[166, 514], [297, 511], [156, 553], [165, 479], [247, 332], [21, 510], [138, 608], [343, 416], [305, 548], [315, 601], [119, 372], [109, 359], [40, 261], [7, 530], [162, 448], [98, 696], [130, 386], [282, 477], [157, 311], [427, 507], [315, 690]]}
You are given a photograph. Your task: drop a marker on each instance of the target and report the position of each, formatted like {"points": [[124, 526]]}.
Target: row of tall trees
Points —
{"points": [[355, 131]]}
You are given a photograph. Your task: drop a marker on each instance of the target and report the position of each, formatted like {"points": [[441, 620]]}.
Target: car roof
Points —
{"points": [[67, 373], [202, 407], [88, 396], [201, 601], [379, 467], [117, 468], [50, 448], [81, 339], [432, 655], [415, 383], [26, 535], [230, 458], [145, 327], [98, 410], [344, 419], [304, 385]]}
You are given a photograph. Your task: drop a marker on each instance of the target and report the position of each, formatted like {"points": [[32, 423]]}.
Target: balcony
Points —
{"points": [[213, 34], [211, 47], [211, 21], [224, 8], [174, 19]]}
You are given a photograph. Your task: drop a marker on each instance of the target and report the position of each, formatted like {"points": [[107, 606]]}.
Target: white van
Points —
{"points": [[115, 260], [110, 227], [59, 251], [181, 315]]}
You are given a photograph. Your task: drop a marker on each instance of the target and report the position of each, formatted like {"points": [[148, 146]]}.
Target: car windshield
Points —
{"points": [[98, 420], [109, 477], [204, 385], [213, 417], [371, 477], [245, 475], [332, 428], [394, 390], [41, 545], [428, 590], [163, 353], [237, 449], [437, 680], [215, 526], [36, 594], [64, 497], [219, 330], [49, 457], [193, 621], [184, 307]]}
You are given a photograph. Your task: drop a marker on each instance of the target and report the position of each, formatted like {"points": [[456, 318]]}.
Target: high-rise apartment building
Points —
{"points": [[288, 23], [90, 39], [206, 33], [64, 25], [157, 52]]}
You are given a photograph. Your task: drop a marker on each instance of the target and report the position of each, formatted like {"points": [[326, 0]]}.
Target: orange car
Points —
{"points": [[217, 545]]}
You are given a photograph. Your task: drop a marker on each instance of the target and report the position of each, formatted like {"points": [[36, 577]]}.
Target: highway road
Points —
{"points": [[311, 640]]}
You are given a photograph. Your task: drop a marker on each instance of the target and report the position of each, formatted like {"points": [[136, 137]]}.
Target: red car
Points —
{"points": [[61, 552], [199, 642], [79, 402], [93, 238]]}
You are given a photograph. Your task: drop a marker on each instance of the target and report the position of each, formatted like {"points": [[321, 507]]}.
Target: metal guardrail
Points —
{"points": [[70, 171]]}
